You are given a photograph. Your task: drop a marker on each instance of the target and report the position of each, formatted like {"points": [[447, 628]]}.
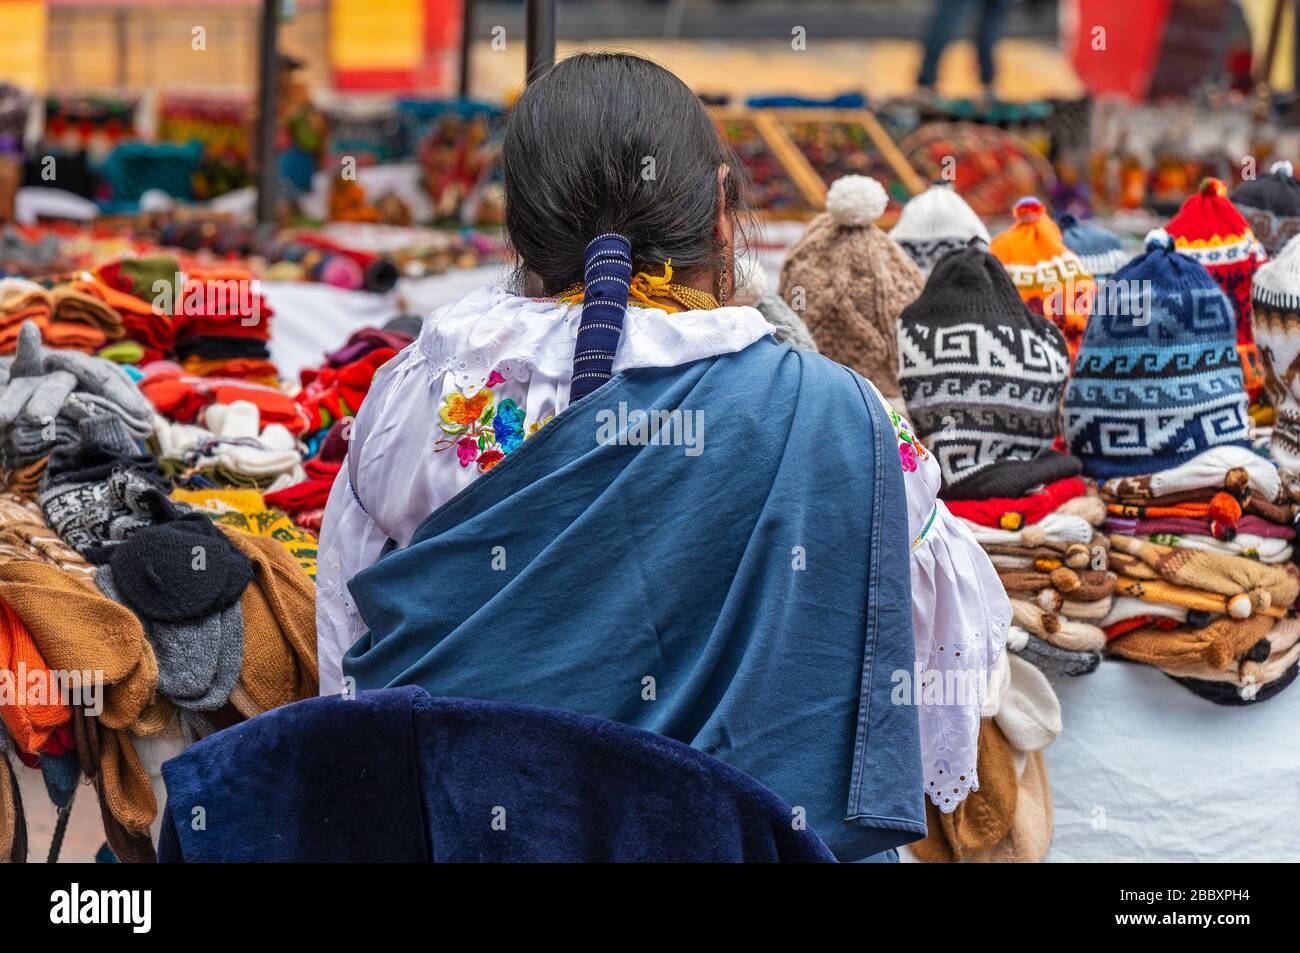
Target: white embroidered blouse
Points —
{"points": [[423, 434]]}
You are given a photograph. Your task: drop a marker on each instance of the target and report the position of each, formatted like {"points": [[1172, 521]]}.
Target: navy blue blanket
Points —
{"points": [[395, 775]]}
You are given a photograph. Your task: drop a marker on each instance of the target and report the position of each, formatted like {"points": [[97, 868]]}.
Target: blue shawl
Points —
{"points": [[737, 580]]}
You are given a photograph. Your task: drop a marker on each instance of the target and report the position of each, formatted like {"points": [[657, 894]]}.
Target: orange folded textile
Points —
{"points": [[29, 704], [72, 336]]}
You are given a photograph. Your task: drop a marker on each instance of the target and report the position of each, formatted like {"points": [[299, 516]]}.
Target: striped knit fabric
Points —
{"points": [[1157, 380], [607, 276]]}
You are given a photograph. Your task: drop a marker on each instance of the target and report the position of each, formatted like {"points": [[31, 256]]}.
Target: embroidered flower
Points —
{"points": [[495, 378], [907, 456], [488, 459], [508, 425], [461, 411], [537, 425], [467, 450]]}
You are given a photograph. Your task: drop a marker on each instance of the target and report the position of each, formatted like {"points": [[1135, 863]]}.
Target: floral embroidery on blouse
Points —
{"points": [[910, 449], [480, 430]]}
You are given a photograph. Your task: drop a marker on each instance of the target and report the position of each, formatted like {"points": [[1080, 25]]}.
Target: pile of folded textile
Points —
{"points": [[20, 301], [144, 292], [1199, 527], [222, 326], [44, 396], [186, 609], [982, 377], [1008, 819]]}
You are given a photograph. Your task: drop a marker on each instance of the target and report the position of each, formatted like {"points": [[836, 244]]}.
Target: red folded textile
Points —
{"points": [[329, 393], [182, 396], [311, 493], [1014, 512]]}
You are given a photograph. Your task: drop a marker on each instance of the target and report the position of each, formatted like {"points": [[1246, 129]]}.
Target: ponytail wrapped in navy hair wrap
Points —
{"points": [[607, 278]]}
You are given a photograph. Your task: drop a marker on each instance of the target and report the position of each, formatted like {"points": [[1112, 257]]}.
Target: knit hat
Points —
{"points": [[981, 375], [1100, 250], [183, 569], [1050, 278], [1271, 206], [1157, 380], [936, 222], [1276, 295], [849, 281], [199, 660], [1209, 229]]}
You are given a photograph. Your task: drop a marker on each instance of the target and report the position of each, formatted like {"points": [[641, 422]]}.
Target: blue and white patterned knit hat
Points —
{"points": [[1101, 251], [1157, 380]]}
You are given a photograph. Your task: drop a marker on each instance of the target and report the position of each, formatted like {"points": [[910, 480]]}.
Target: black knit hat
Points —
{"points": [[159, 572], [1271, 204], [981, 374]]}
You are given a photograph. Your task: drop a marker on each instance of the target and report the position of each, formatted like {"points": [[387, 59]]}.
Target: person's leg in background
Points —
{"points": [[990, 29], [943, 23]]}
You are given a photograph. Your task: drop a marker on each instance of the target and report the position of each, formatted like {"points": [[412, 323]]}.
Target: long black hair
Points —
{"points": [[611, 142]]}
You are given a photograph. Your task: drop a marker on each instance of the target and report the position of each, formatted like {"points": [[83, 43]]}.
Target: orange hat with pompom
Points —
{"points": [[1050, 278]]}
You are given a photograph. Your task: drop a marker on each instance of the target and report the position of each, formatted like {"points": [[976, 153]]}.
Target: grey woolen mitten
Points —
{"points": [[1053, 660]]}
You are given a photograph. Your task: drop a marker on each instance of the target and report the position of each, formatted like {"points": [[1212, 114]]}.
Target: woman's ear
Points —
{"points": [[722, 225]]}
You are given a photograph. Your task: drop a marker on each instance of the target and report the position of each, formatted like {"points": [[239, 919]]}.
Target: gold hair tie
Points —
{"points": [[645, 288]]}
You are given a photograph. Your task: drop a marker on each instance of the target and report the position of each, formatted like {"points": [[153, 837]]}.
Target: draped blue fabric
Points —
{"points": [[396, 776], [607, 275], [717, 552]]}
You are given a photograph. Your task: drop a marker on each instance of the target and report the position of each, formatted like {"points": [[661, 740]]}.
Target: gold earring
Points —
{"points": [[724, 277]]}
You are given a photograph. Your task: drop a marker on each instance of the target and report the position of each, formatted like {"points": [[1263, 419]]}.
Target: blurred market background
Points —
{"points": [[344, 151]]}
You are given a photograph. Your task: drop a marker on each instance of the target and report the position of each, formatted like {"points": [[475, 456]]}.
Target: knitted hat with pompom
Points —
{"points": [[936, 222], [1051, 279], [1209, 229], [1156, 381], [849, 281]]}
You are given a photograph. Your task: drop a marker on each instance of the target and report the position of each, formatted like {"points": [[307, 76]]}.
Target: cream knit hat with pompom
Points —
{"points": [[848, 281]]}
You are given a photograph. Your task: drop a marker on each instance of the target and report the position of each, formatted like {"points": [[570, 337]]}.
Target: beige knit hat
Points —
{"points": [[848, 280]]}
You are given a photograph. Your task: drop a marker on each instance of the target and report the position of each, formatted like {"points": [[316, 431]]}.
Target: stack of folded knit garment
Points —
{"points": [[223, 324], [231, 449], [982, 378], [305, 500], [1271, 205], [1209, 229], [82, 319], [1008, 819], [1049, 277], [934, 223], [190, 627], [183, 397], [21, 301], [1200, 540], [44, 397], [332, 392], [144, 292]]}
